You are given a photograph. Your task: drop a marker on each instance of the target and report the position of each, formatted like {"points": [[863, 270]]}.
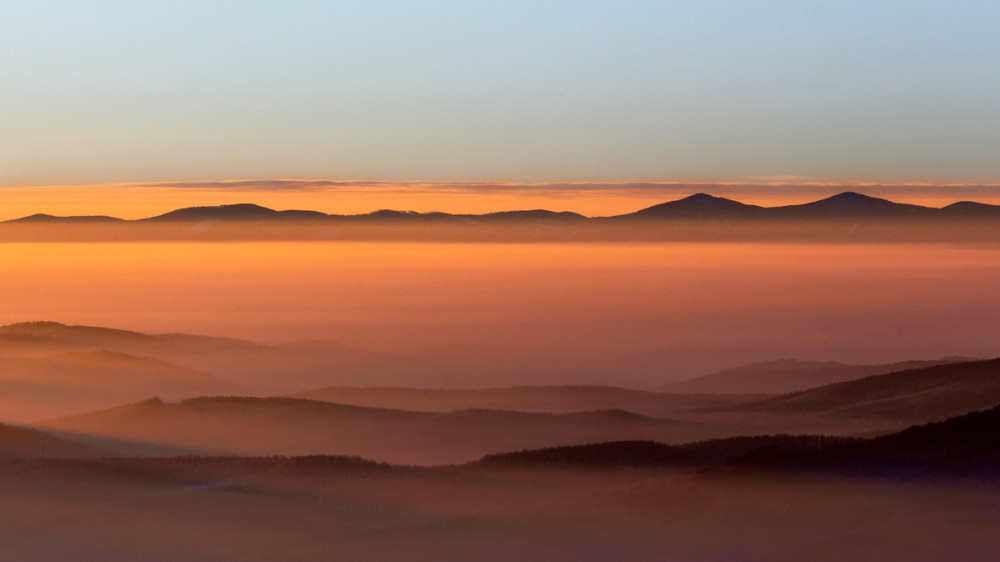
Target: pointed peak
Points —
{"points": [[699, 205], [852, 196], [700, 197]]}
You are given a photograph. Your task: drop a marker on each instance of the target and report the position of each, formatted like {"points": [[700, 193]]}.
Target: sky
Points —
{"points": [[124, 92]]}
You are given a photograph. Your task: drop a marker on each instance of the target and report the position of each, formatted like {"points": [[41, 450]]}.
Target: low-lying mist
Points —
{"points": [[473, 315]]}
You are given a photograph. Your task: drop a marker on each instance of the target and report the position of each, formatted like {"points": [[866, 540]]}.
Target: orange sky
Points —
{"points": [[131, 201]]}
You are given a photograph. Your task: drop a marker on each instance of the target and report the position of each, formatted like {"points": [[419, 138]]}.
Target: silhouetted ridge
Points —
{"points": [[966, 445], [963, 445], [916, 394], [536, 215], [615, 453], [50, 219], [791, 375], [389, 215], [851, 205], [971, 209], [651, 453], [698, 206], [238, 212]]}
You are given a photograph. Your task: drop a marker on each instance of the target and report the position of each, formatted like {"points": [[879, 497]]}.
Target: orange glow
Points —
{"points": [[516, 313], [132, 201]]}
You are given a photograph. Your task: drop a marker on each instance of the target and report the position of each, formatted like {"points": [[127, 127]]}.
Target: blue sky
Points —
{"points": [[124, 91]]}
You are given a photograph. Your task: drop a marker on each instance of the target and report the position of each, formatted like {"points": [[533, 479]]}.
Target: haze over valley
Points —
{"points": [[502, 397], [547, 281]]}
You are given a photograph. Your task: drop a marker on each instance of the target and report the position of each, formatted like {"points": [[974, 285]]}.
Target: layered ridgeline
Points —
{"points": [[966, 445], [699, 216], [297, 426], [50, 369], [790, 375]]}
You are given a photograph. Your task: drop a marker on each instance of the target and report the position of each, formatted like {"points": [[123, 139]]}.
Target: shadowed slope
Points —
{"points": [[698, 206], [651, 453], [916, 395], [965, 445], [791, 375], [21, 442]]}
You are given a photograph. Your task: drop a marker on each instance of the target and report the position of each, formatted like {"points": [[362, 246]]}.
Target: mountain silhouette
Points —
{"points": [[698, 206], [536, 215], [237, 212], [851, 205], [971, 209], [50, 219]]}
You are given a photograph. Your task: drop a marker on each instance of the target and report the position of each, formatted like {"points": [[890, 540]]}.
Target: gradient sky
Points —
{"points": [[457, 90]]}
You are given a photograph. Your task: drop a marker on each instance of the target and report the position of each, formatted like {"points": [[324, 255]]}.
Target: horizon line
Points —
{"points": [[521, 210]]}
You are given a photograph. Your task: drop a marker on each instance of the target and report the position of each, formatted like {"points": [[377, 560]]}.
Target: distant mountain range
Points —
{"points": [[700, 206]]}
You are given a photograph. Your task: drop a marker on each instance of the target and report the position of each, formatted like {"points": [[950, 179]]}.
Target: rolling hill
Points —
{"points": [[289, 426], [56, 383], [22, 442], [964, 445], [914, 395], [248, 366], [790, 375], [543, 399], [852, 205]]}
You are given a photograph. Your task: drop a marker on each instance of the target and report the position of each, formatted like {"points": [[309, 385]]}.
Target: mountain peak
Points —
{"points": [[701, 197], [851, 204], [238, 211], [855, 198], [697, 206]]}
